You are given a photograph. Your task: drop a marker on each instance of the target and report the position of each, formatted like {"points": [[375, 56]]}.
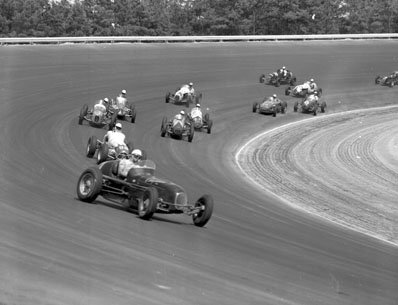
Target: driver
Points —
{"points": [[126, 164], [100, 106], [282, 72], [115, 137], [313, 85], [191, 89], [196, 111], [180, 115]]}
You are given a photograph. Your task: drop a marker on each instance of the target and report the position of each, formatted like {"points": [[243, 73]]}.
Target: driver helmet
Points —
{"points": [[311, 80], [315, 92], [106, 100], [123, 153], [124, 92], [136, 154], [182, 112], [283, 68], [118, 126], [198, 105], [274, 96], [190, 84]]}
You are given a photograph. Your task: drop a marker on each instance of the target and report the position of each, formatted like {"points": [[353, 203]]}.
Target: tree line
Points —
{"points": [[75, 18]]}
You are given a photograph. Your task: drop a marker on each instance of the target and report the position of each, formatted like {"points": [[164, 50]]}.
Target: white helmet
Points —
{"points": [[198, 105], [182, 112], [137, 153], [311, 80], [274, 96], [284, 68], [118, 125], [191, 84], [124, 92], [106, 100]]}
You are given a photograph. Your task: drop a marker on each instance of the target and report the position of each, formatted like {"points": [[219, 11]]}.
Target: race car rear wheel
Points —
{"points": [[133, 113], [209, 126], [295, 107], [163, 127], [147, 205], [89, 184], [377, 80], [323, 106], [205, 205], [102, 153], [91, 146], [112, 123], [83, 113], [262, 78], [191, 133], [254, 107], [167, 97]]}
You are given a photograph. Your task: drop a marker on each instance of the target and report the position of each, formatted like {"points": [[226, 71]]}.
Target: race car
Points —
{"points": [[97, 117], [277, 79], [389, 80], [301, 90], [124, 110], [199, 121], [182, 95], [309, 104], [178, 127], [105, 152], [270, 105], [141, 192]]}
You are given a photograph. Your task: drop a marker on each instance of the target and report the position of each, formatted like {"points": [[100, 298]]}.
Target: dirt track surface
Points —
{"points": [[256, 249], [342, 167]]}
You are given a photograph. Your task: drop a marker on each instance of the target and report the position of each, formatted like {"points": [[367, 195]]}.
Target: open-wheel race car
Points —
{"points": [[105, 152], [302, 90], [97, 117], [277, 79], [141, 191], [178, 127], [199, 121], [270, 105], [309, 104], [124, 109], [390, 80], [182, 95]]}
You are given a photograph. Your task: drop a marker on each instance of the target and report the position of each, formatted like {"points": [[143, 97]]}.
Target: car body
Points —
{"points": [[301, 90], [182, 96], [124, 109], [270, 105], [179, 127], [104, 151], [276, 79], [141, 191], [199, 121], [97, 117], [390, 80], [310, 104]]}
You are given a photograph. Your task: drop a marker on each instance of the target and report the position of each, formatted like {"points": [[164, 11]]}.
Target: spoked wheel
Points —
{"points": [[83, 113], [205, 206], [91, 146]]}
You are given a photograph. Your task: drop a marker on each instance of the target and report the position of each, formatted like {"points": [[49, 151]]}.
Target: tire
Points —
{"points": [[133, 112], [319, 92], [209, 126], [207, 117], [144, 155], [277, 83], [201, 218], [102, 154], [287, 91], [148, 204], [293, 81], [262, 78], [283, 107], [295, 107], [163, 127], [191, 133], [167, 98], [112, 123], [274, 113], [83, 113], [391, 84], [89, 185], [254, 108], [323, 107], [377, 80], [91, 147]]}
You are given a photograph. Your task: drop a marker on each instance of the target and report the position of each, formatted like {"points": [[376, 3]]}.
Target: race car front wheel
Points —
{"points": [[147, 205], [89, 184]]}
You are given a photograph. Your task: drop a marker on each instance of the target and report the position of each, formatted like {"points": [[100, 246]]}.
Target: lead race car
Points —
{"points": [[271, 105], [141, 191], [183, 95], [277, 79], [124, 109], [389, 80], [179, 127], [302, 90], [97, 116]]}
